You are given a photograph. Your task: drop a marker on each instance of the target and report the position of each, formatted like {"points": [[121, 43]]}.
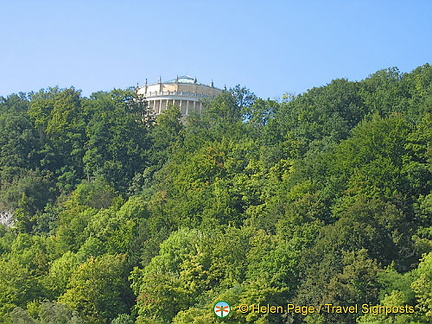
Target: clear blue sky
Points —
{"points": [[270, 47]]}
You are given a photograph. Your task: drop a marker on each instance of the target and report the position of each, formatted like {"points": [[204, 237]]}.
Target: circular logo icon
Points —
{"points": [[222, 309]]}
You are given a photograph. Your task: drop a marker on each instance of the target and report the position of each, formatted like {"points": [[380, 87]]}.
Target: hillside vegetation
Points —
{"points": [[319, 198]]}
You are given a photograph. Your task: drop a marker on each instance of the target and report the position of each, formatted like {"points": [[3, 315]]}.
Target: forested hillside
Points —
{"points": [[322, 198]]}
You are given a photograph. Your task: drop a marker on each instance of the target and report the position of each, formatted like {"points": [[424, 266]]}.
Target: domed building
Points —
{"points": [[184, 91]]}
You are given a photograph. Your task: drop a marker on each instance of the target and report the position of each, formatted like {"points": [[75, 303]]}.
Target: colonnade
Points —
{"points": [[186, 106]]}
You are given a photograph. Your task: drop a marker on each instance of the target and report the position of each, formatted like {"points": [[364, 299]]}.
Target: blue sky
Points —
{"points": [[271, 47]]}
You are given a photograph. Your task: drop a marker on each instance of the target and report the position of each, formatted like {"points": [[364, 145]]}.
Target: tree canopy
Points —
{"points": [[321, 198]]}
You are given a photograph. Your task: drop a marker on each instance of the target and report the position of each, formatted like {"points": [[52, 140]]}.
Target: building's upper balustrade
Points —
{"points": [[150, 94], [184, 87]]}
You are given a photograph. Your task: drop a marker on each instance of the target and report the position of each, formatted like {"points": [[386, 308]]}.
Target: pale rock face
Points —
{"points": [[184, 92], [6, 218]]}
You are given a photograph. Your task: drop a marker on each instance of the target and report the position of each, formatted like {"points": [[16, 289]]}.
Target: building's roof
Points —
{"points": [[183, 79]]}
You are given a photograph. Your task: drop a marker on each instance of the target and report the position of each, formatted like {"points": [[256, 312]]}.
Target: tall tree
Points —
{"points": [[98, 289], [117, 137]]}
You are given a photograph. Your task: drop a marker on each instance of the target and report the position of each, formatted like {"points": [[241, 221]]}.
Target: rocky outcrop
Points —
{"points": [[6, 217]]}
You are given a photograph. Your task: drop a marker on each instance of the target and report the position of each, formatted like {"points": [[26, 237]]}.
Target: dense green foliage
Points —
{"points": [[320, 198]]}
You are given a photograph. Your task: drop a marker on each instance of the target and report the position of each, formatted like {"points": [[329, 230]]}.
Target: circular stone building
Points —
{"points": [[184, 92]]}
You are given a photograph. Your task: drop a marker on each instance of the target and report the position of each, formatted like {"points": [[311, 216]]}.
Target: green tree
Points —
{"points": [[374, 162], [77, 210], [162, 287], [47, 313], [118, 229], [422, 286], [165, 135], [25, 194], [60, 120], [59, 274], [117, 137], [192, 267], [98, 289], [17, 286], [320, 116], [18, 138]]}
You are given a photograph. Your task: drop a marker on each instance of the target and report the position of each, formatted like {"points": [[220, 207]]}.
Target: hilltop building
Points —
{"points": [[184, 91]]}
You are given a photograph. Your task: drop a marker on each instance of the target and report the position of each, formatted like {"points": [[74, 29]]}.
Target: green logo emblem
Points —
{"points": [[222, 309]]}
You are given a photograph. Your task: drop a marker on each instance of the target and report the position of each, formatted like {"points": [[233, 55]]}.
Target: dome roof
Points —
{"points": [[183, 79]]}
